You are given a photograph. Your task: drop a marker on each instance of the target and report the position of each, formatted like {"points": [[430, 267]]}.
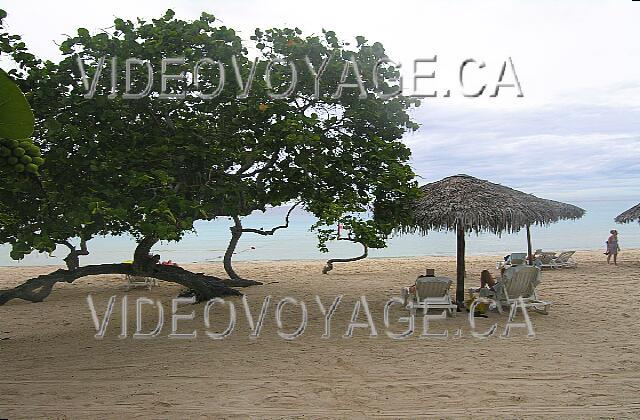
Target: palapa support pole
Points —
{"points": [[529, 247], [460, 267]]}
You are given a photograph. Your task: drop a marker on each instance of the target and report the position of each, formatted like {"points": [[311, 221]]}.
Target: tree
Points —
{"points": [[83, 191], [365, 253], [236, 233], [152, 167], [354, 162]]}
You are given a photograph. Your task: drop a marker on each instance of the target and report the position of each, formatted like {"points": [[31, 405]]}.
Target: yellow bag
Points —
{"points": [[481, 308]]}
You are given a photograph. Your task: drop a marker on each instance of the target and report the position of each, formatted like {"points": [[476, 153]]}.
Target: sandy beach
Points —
{"points": [[583, 360], [154, 145]]}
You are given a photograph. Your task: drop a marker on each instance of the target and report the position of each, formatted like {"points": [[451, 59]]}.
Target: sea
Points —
{"points": [[209, 240]]}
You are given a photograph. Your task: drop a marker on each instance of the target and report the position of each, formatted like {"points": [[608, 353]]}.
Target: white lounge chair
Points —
{"points": [[543, 257], [516, 258], [564, 260], [138, 281], [431, 293], [520, 281]]}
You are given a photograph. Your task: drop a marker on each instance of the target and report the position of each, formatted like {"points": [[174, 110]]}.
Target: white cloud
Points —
{"points": [[558, 152]]}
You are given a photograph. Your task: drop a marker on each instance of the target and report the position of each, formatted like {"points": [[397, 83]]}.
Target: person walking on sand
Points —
{"points": [[612, 247]]}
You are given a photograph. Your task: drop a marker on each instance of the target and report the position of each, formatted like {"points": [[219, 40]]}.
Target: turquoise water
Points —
{"points": [[297, 242]]}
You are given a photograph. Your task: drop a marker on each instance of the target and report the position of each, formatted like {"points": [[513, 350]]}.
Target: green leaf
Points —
{"points": [[16, 117]]}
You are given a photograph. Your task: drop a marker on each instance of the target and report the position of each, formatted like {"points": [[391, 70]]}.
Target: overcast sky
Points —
{"points": [[573, 136]]}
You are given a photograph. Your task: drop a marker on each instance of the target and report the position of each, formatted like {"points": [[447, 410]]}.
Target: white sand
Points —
{"points": [[583, 362]]}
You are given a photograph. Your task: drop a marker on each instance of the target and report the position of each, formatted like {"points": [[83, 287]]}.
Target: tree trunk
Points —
{"points": [[204, 287], [329, 264], [72, 260], [460, 266], [236, 233], [142, 258], [529, 246], [234, 279]]}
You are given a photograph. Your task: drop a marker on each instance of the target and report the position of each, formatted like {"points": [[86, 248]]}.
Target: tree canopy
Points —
{"points": [[152, 166]]}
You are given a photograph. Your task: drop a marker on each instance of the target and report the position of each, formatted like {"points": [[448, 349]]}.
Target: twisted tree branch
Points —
{"points": [[329, 264], [72, 260], [273, 230], [236, 232], [204, 287]]}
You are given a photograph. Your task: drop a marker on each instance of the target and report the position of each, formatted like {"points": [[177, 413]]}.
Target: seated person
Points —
{"points": [[487, 280], [488, 285]]}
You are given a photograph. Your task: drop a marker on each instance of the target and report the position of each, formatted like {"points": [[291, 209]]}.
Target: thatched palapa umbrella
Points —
{"points": [[630, 215], [464, 204]]}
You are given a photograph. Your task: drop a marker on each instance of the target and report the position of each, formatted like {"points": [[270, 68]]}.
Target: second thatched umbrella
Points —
{"points": [[464, 204], [630, 215]]}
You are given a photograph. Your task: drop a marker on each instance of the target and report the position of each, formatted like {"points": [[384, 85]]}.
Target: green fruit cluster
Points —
{"points": [[20, 156]]}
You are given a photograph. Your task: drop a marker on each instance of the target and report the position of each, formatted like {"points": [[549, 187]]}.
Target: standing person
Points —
{"points": [[613, 247]]}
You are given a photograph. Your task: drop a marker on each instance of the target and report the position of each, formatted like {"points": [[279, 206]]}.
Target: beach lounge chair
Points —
{"points": [[138, 281], [564, 260], [543, 257], [516, 258], [520, 281], [431, 292]]}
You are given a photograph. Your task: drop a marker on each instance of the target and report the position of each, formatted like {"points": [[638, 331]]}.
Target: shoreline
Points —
{"points": [[323, 260]]}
